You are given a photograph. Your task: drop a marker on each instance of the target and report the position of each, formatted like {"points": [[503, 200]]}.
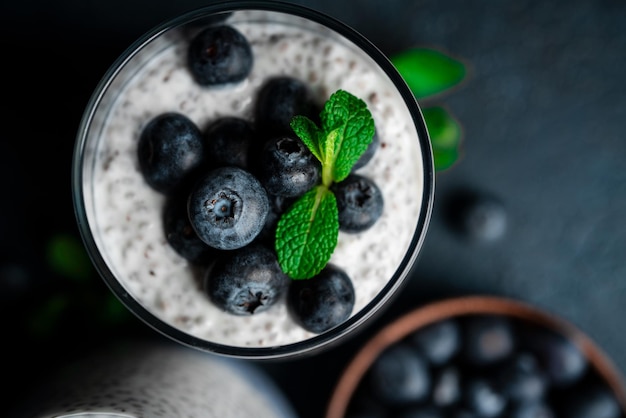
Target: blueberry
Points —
{"points": [[227, 208], [487, 339], [399, 376], [278, 101], [446, 388], [359, 201], [421, 411], [367, 156], [485, 220], [562, 361], [180, 234], [170, 150], [462, 412], [522, 379], [483, 397], [287, 168], [278, 206], [323, 301], [218, 55], [477, 216], [228, 141], [246, 281], [590, 399], [537, 409], [438, 341]]}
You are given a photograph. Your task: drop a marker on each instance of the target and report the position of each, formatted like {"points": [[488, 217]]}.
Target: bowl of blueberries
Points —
{"points": [[479, 357]]}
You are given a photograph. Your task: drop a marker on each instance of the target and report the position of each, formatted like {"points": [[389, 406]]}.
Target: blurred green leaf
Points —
{"points": [[445, 159], [113, 312], [445, 136], [67, 257], [428, 71], [45, 319]]}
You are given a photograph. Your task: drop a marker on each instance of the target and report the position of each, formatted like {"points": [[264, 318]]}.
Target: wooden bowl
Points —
{"points": [[457, 307]]}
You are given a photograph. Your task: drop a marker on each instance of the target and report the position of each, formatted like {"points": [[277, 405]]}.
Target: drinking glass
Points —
{"points": [[119, 216]]}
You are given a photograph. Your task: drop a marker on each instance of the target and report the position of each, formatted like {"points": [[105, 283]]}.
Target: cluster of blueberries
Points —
{"points": [[228, 184], [483, 366]]}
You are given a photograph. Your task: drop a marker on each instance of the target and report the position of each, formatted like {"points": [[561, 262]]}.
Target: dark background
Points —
{"points": [[544, 116]]}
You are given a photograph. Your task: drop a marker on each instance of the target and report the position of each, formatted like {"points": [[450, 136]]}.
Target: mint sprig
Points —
{"points": [[306, 235]]}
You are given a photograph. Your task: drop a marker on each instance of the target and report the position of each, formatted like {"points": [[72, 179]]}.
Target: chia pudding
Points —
{"points": [[125, 214]]}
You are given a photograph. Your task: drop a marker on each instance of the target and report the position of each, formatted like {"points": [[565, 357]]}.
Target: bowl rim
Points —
{"points": [[316, 343], [458, 306]]}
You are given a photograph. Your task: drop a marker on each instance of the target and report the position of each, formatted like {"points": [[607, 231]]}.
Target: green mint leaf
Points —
{"points": [[445, 136], [348, 129], [309, 133], [306, 235], [427, 71]]}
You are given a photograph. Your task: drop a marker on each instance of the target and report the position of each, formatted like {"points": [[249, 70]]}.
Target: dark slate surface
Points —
{"points": [[543, 111]]}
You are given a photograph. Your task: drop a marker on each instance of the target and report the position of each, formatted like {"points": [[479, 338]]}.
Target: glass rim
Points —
{"points": [[315, 343]]}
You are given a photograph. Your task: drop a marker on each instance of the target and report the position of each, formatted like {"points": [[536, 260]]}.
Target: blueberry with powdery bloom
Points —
{"points": [[369, 153], [562, 361], [228, 141], [399, 376], [446, 387], [461, 412], [278, 206], [180, 234], [323, 301], [286, 167], [476, 215], [438, 341], [522, 378], [422, 411], [359, 201], [246, 281], [278, 101], [170, 150], [219, 55], [483, 397], [487, 339], [538, 409], [227, 208], [589, 399]]}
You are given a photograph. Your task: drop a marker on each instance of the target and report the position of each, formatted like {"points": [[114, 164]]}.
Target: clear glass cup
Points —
{"points": [[141, 378], [119, 216]]}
